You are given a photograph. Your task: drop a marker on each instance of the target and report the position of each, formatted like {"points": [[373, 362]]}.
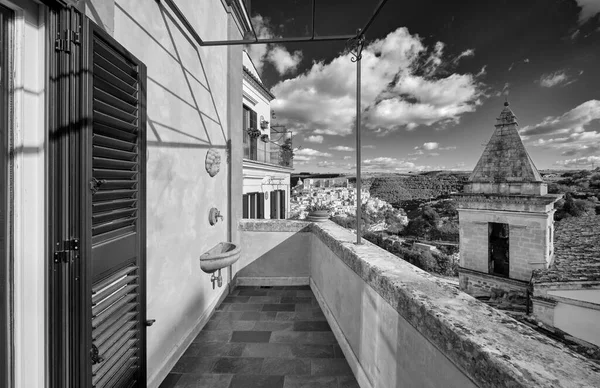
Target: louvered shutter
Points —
{"points": [[114, 216], [252, 205], [245, 206], [261, 206], [282, 204], [273, 198]]}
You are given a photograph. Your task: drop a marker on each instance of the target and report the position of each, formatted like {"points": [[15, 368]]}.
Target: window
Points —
{"points": [[498, 245], [253, 206], [250, 140]]}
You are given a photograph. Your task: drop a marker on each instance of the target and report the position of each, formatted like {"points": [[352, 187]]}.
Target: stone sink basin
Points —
{"points": [[220, 256]]}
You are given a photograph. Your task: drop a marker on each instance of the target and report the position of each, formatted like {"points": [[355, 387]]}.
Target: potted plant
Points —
{"points": [[318, 212]]}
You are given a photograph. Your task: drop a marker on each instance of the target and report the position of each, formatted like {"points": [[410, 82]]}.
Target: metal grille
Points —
{"points": [[115, 333], [115, 144]]}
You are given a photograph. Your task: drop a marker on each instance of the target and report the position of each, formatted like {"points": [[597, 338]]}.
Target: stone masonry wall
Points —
{"points": [[487, 285], [528, 240]]}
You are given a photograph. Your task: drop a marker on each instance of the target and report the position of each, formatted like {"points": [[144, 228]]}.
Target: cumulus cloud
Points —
{"points": [[347, 157], [430, 147], [579, 162], [574, 121], [387, 163], [277, 55], [306, 154], [404, 85], [576, 132], [314, 139], [283, 61], [369, 146], [559, 77], [342, 148], [589, 9], [326, 163]]}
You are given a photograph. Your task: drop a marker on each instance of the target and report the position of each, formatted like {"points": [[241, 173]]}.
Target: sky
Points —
{"points": [[435, 75]]}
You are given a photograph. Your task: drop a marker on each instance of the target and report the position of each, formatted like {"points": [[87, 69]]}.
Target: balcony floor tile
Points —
{"points": [[264, 337]]}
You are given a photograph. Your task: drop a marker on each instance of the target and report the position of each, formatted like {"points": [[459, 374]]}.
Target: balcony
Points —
{"points": [[275, 149], [379, 322]]}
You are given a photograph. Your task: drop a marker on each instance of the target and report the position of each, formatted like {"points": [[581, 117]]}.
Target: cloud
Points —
{"points": [[430, 147], [386, 163], [314, 139], [277, 55], [482, 72], [511, 66], [347, 157], [579, 162], [575, 133], [342, 148], [559, 77], [404, 84], [307, 154], [371, 146], [589, 9], [326, 163], [526, 60], [283, 61], [464, 54], [574, 121]]}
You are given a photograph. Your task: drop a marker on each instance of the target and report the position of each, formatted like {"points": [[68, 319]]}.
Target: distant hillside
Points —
{"points": [[396, 189]]}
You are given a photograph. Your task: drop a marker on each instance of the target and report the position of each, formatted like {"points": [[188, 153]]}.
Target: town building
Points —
{"points": [[266, 172], [506, 222], [566, 296]]}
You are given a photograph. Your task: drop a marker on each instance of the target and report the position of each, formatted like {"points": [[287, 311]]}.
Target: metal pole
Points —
{"points": [[355, 46], [358, 191]]}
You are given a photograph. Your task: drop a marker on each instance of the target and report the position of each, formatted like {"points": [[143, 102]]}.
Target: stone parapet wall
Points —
{"points": [[396, 319], [483, 284]]}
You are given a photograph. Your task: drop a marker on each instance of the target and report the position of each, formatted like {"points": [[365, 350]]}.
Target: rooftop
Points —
{"points": [[505, 158], [576, 252]]}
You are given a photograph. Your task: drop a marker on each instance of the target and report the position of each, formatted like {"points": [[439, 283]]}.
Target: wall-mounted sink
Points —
{"points": [[220, 256]]}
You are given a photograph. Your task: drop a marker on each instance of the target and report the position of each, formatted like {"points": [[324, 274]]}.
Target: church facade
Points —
{"points": [[505, 216]]}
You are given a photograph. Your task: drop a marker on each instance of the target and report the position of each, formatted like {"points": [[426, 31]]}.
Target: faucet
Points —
{"points": [[214, 215], [214, 278]]}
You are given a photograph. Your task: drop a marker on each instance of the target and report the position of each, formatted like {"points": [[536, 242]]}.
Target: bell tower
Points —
{"points": [[506, 218]]}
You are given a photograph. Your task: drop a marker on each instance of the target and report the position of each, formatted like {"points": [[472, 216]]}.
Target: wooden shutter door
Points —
{"points": [[245, 206], [114, 211], [282, 204], [273, 200], [252, 197], [261, 206]]}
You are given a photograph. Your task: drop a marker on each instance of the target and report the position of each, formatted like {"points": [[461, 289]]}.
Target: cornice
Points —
{"points": [[248, 76]]}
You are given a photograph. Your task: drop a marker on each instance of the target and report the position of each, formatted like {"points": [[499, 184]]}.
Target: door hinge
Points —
{"points": [[69, 37], [64, 255]]}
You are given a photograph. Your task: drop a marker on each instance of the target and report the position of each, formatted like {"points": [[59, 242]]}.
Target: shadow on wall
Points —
{"points": [[286, 259], [195, 141]]}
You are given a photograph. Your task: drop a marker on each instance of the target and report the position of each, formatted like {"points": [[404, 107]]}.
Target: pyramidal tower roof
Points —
{"points": [[505, 159]]}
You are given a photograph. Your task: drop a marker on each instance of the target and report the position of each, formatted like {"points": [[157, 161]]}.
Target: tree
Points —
{"points": [[430, 215], [572, 207], [595, 181]]}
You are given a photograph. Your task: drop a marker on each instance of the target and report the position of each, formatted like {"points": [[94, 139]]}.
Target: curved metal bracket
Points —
{"points": [[354, 46]]}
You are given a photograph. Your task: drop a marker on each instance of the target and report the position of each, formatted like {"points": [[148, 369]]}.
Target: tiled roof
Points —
{"points": [[577, 252], [258, 83], [505, 158]]}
